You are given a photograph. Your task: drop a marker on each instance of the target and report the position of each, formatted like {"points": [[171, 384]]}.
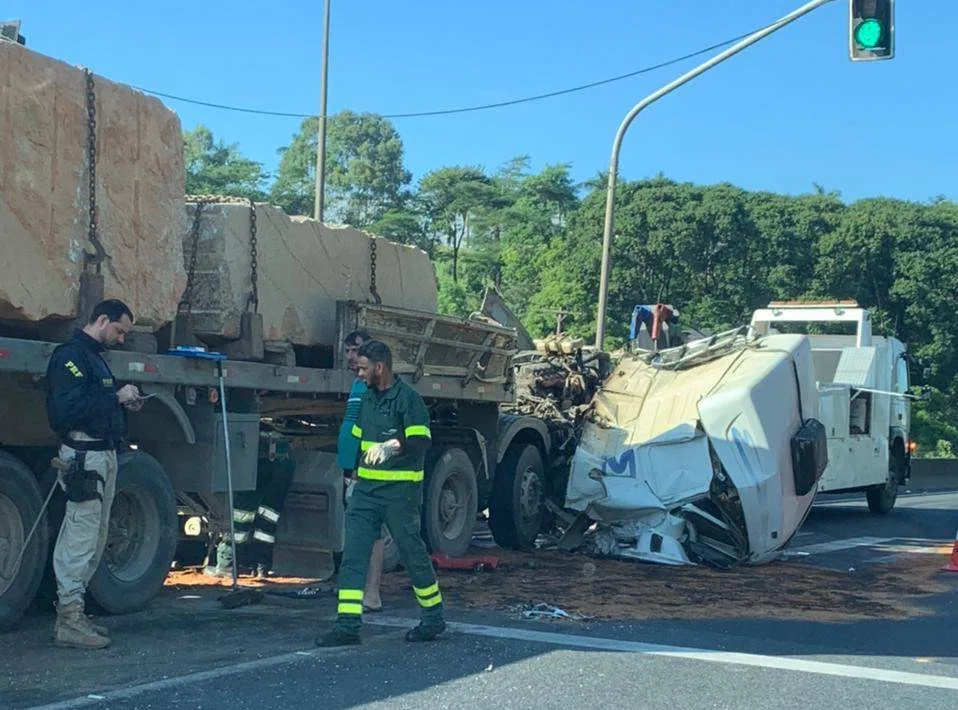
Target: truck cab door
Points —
{"points": [[901, 407]]}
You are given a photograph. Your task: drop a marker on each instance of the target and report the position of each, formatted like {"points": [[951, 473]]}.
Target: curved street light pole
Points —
{"points": [[636, 110]]}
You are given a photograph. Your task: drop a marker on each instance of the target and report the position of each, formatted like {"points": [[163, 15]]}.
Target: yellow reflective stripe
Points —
{"points": [[350, 595], [350, 609], [418, 430], [357, 432], [428, 596], [268, 513], [433, 601], [367, 445], [427, 592], [244, 516], [380, 475]]}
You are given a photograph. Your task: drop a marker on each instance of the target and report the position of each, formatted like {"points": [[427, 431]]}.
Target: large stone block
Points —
{"points": [[44, 192], [304, 268]]}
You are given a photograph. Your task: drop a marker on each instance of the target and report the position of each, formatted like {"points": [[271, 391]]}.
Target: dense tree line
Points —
{"points": [[716, 252]]}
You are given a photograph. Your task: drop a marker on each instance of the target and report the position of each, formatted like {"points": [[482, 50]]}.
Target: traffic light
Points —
{"points": [[871, 30]]}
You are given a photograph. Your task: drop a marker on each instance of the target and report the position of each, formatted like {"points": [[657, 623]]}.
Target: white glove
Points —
{"points": [[381, 453]]}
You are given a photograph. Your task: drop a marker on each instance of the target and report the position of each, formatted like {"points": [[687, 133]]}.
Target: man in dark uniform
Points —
{"points": [[85, 410], [393, 430], [256, 514]]}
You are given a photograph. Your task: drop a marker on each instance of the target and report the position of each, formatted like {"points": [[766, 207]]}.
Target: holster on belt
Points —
{"points": [[81, 484]]}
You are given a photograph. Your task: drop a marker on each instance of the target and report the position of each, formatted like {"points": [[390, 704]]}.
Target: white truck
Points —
{"points": [[706, 452], [862, 381]]}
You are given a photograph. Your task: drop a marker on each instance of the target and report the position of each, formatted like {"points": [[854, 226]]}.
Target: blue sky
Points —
{"points": [[789, 112]]}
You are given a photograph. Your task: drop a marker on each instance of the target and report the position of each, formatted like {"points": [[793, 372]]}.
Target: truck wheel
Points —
{"points": [[20, 504], [517, 505], [451, 503], [881, 499], [142, 538]]}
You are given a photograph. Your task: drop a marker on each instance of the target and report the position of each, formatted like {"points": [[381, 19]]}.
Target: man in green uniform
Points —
{"points": [[348, 453], [393, 429]]}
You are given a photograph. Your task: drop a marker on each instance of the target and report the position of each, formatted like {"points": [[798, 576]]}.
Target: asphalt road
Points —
{"points": [[840, 530], [186, 652]]}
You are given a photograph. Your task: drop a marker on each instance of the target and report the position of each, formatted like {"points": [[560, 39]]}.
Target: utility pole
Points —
{"points": [[638, 108], [320, 196]]}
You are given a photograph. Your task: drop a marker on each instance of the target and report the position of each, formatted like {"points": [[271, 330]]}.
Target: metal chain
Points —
{"points": [[186, 304], [253, 276], [91, 158], [372, 271]]}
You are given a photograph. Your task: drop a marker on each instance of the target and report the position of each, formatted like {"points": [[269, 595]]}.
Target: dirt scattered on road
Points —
{"points": [[614, 589]]}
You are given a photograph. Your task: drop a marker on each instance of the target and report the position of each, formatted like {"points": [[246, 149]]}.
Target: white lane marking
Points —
{"points": [[837, 545], [175, 681], [693, 654], [546, 637]]}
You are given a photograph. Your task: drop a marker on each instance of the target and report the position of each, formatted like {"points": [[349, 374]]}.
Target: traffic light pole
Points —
{"points": [[636, 110]]}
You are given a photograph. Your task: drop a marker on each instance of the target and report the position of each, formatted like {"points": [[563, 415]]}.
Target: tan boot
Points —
{"points": [[97, 628], [73, 629]]}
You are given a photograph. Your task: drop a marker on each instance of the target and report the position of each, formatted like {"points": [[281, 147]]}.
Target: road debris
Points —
{"points": [[474, 563], [548, 611], [552, 384]]}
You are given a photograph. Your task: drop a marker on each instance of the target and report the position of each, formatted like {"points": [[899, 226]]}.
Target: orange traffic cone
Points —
{"points": [[952, 565]]}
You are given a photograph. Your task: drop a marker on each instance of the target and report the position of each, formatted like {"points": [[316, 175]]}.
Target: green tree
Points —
{"points": [[215, 168], [934, 425], [402, 225], [365, 177], [455, 201], [536, 214], [789, 230]]}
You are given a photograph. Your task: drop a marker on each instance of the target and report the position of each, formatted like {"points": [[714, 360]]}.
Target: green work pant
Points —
{"points": [[371, 504]]}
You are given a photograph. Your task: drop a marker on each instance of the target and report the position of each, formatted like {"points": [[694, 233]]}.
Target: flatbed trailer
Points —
{"points": [[172, 477]]}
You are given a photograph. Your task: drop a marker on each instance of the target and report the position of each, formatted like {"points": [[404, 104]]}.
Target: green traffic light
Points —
{"points": [[869, 33]]}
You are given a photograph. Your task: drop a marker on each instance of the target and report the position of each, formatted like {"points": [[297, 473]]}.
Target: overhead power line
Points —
{"points": [[468, 109]]}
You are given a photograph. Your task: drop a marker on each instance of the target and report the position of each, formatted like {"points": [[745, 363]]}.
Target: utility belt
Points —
{"points": [[90, 444]]}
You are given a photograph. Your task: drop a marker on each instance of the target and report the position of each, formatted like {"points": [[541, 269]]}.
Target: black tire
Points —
{"points": [[142, 539], [450, 503], [517, 506], [881, 499], [20, 505]]}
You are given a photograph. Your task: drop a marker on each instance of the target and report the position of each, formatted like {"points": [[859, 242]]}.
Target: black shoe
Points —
{"points": [[337, 637], [425, 633]]}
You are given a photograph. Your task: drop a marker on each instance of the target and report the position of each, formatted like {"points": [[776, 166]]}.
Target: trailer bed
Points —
{"points": [[30, 357]]}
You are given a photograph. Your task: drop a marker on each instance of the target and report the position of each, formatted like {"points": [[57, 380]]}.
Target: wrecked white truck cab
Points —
{"points": [[709, 452]]}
